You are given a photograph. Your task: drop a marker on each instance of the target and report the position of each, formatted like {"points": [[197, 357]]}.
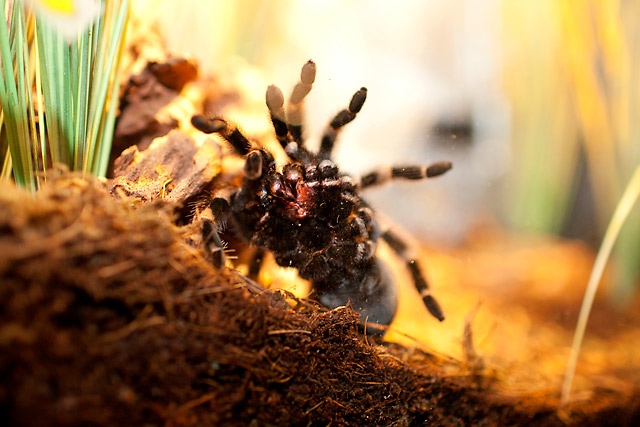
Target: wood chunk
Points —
{"points": [[173, 168], [175, 73], [143, 98]]}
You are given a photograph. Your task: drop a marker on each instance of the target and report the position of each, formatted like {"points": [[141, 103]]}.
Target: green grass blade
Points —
{"points": [[81, 90], [104, 95], [51, 94], [14, 86], [42, 135], [5, 156]]}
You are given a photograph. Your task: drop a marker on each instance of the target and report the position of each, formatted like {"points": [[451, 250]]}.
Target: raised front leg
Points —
{"points": [[342, 118]]}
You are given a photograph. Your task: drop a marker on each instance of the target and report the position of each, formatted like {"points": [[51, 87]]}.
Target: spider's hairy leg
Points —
{"points": [[295, 104], [401, 248], [257, 161], [220, 205], [211, 240], [229, 132], [288, 124], [213, 219], [275, 104], [255, 263], [383, 175], [294, 149], [342, 118]]}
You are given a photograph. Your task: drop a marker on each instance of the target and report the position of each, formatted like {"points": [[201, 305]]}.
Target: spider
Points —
{"points": [[310, 215]]}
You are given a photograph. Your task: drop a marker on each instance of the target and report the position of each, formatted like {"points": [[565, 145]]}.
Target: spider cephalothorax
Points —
{"points": [[311, 216]]}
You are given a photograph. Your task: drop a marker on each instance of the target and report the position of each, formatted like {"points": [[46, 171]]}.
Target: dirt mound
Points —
{"points": [[110, 316]]}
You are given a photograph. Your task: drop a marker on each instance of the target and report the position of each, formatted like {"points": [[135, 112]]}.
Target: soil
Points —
{"points": [[111, 317], [113, 314]]}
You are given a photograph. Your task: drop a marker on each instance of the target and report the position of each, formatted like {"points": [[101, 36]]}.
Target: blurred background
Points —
{"points": [[534, 102]]}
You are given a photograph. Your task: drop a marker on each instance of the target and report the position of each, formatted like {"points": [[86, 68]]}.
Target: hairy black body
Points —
{"points": [[311, 216]]}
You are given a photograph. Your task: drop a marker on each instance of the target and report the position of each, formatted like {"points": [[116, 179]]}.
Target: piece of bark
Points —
{"points": [[174, 73], [174, 168], [144, 96]]}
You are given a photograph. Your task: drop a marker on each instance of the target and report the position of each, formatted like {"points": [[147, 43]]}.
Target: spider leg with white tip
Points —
{"points": [[385, 174], [342, 118], [288, 123]]}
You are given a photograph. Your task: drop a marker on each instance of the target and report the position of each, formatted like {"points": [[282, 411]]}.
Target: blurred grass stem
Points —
{"points": [[626, 203]]}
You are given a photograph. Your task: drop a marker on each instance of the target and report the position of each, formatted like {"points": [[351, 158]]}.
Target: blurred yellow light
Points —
{"points": [[66, 7], [67, 17]]}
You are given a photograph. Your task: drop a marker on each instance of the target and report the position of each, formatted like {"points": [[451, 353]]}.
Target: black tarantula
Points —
{"points": [[310, 214]]}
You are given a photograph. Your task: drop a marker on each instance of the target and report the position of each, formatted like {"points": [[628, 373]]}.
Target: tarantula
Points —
{"points": [[311, 215]]}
